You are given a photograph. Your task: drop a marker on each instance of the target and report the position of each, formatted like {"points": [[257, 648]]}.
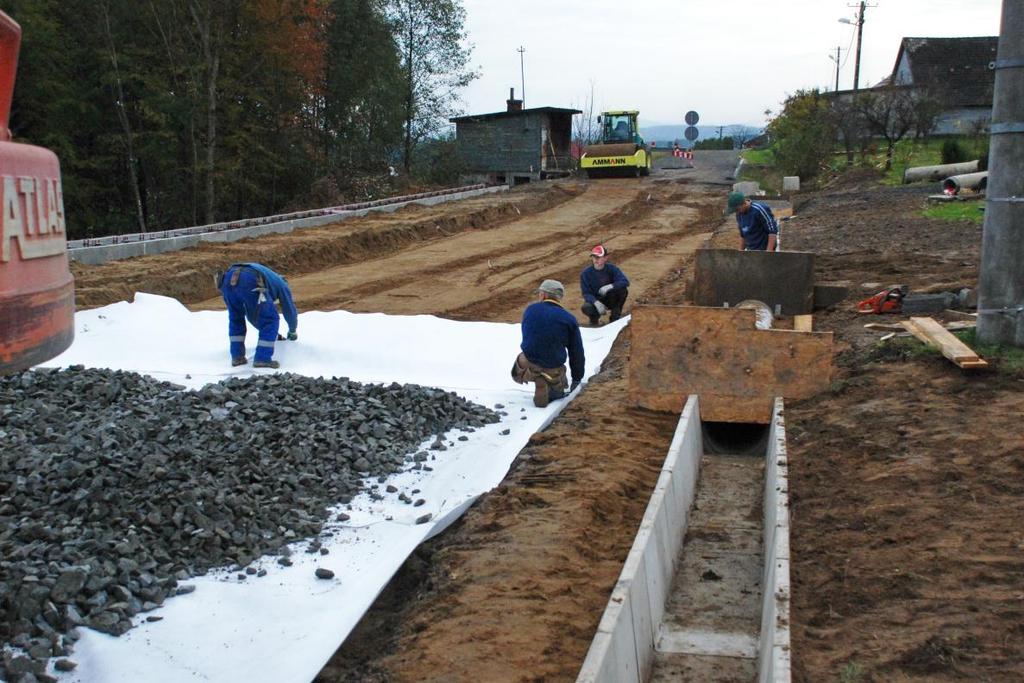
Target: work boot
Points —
{"points": [[541, 395], [615, 314], [240, 360], [590, 310], [266, 364], [555, 394]]}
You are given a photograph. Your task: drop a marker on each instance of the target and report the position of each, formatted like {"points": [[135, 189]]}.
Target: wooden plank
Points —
{"points": [[900, 326], [931, 332], [718, 354], [803, 323]]}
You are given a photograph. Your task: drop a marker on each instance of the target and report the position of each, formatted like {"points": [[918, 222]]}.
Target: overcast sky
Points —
{"points": [[729, 60]]}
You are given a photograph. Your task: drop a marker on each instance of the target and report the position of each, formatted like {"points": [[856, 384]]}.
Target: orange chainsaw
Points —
{"points": [[889, 300]]}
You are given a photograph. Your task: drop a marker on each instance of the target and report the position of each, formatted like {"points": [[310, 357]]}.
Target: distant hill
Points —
{"points": [[664, 135]]}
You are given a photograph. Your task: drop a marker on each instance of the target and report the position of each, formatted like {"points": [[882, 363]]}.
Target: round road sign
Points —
{"points": [[691, 133], [691, 118]]}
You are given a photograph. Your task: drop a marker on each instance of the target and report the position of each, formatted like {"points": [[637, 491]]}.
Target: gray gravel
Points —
{"points": [[114, 486]]}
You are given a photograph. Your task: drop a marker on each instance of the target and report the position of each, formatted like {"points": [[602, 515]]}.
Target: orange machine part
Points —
{"points": [[37, 296]]}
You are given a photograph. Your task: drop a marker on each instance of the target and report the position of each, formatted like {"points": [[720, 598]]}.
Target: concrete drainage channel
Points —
{"points": [[117, 247], [704, 592]]}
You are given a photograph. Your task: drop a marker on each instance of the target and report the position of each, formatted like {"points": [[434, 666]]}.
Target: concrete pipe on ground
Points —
{"points": [[919, 173], [967, 181]]}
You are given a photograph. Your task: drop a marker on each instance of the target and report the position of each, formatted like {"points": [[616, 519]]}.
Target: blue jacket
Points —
{"points": [[548, 332], [755, 225], [592, 279], [277, 290]]}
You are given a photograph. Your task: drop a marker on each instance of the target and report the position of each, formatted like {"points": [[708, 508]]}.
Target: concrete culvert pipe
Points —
{"points": [[735, 438], [967, 181], [919, 173]]}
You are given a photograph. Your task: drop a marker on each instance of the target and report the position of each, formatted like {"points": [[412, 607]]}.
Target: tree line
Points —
{"points": [[806, 130], [167, 113]]}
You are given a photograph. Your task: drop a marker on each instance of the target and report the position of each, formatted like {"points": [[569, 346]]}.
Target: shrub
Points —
{"points": [[953, 152]]}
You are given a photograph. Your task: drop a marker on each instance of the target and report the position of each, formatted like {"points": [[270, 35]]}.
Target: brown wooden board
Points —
{"points": [[931, 332], [718, 354], [783, 279]]}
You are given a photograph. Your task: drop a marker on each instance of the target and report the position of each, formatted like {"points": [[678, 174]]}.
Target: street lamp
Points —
{"points": [[836, 60], [859, 23]]}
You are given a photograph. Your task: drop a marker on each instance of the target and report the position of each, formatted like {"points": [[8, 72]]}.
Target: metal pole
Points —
{"points": [[522, 73], [1001, 281], [836, 60], [860, 31]]}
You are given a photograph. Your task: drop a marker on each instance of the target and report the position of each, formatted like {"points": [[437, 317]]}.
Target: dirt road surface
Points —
{"points": [[906, 478]]}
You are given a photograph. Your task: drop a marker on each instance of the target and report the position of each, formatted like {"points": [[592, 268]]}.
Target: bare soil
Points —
{"points": [[906, 478]]}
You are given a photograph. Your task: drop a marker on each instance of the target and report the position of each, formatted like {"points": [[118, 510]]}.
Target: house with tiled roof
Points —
{"points": [[956, 71]]}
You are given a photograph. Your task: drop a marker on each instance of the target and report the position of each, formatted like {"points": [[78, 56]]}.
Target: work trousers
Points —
{"points": [[548, 383], [247, 300], [614, 300]]}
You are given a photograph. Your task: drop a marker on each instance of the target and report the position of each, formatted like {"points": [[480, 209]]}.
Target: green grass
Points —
{"points": [[851, 673], [1008, 359], [908, 153], [760, 167], [956, 211], [759, 157]]}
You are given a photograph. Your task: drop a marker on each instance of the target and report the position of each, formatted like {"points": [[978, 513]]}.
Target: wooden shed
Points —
{"points": [[515, 146]]}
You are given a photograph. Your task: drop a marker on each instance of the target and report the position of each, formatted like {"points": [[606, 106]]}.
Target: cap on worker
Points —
{"points": [[552, 287], [599, 251], [734, 201]]}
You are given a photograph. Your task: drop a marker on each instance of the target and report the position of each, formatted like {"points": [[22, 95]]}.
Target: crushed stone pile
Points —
{"points": [[115, 486]]}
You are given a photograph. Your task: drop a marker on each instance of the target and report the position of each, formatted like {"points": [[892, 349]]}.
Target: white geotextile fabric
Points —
{"points": [[286, 625]]}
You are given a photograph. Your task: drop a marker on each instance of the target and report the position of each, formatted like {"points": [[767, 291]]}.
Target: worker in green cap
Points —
{"points": [[759, 231]]}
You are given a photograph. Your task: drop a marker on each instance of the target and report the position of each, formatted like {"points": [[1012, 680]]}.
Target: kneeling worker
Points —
{"points": [[550, 333], [249, 291], [604, 286]]}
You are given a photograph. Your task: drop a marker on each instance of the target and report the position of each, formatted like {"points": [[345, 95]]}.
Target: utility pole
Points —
{"points": [[859, 23], [1001, 281], [522, 73], [836, 60]]}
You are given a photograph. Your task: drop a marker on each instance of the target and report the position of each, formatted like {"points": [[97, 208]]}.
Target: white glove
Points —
{"points": [[601, 308], [604, 290]]}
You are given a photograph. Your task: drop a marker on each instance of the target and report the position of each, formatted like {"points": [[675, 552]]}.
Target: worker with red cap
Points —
{"points": [[604, 286]]}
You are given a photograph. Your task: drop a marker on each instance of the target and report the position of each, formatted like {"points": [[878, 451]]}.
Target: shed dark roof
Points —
{"points": [[506, 114], [956, 66]]}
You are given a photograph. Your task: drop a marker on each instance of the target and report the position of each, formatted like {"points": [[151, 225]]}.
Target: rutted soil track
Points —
{"points": [[188, 275]]}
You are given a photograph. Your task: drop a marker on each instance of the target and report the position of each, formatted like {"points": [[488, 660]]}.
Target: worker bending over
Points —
{"points": [[759, 231], [604, 286], [550, 334], [249, 291]]}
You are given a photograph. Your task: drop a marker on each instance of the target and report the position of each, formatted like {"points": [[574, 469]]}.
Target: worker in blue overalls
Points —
{"points": [[249, 291]]}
